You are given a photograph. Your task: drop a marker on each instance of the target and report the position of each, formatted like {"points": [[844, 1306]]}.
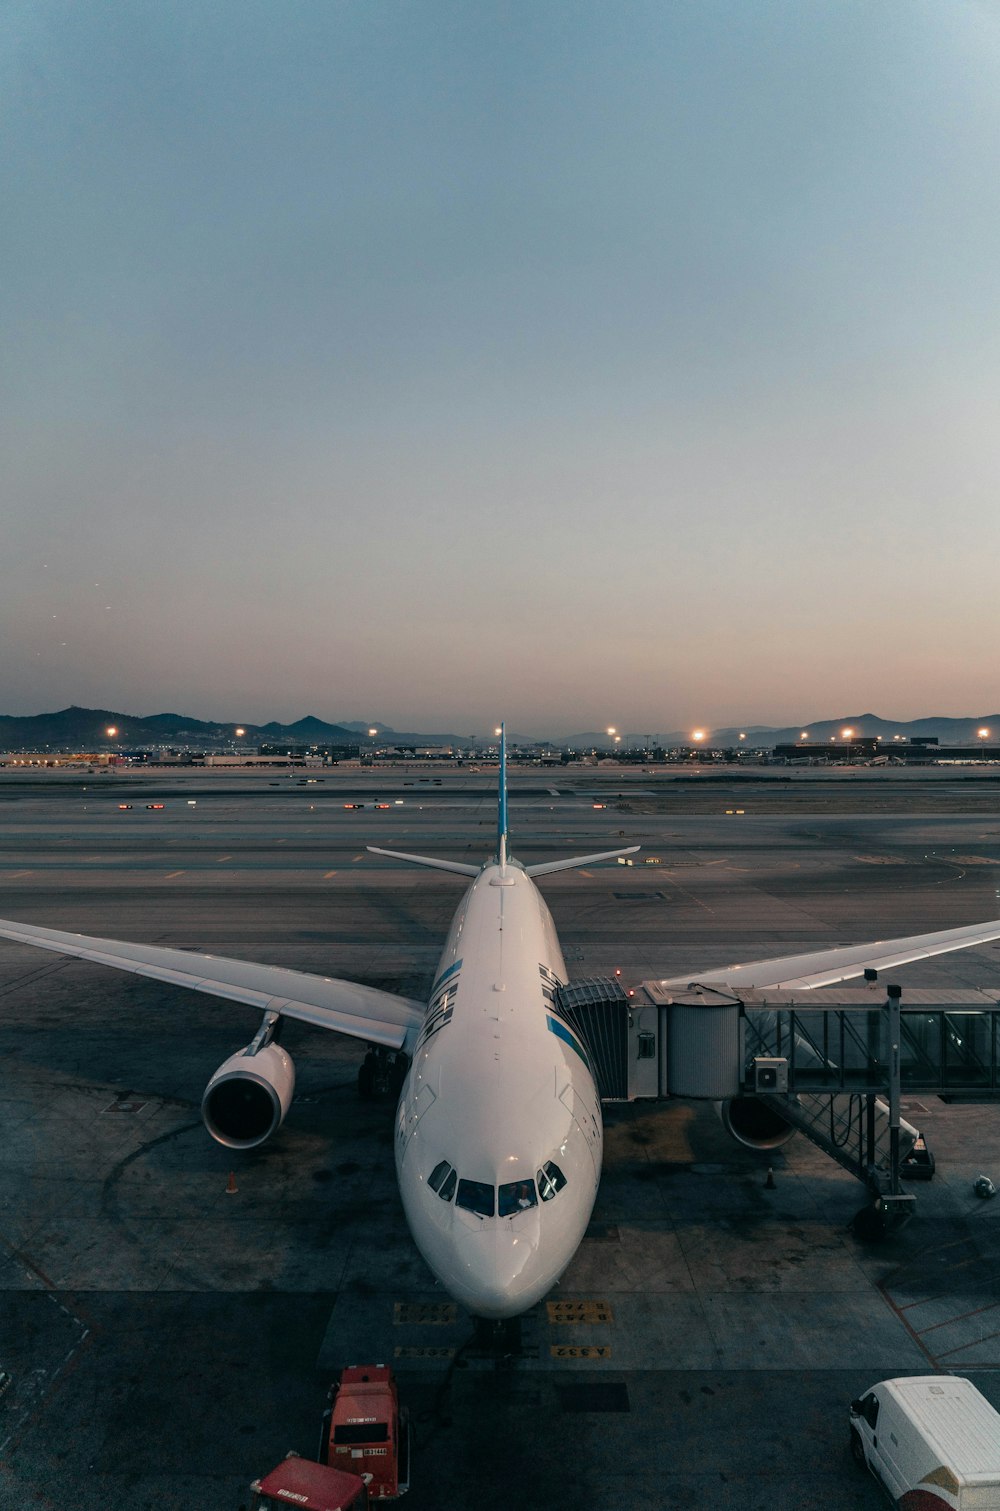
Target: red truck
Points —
{"points": [[367, 1432]]}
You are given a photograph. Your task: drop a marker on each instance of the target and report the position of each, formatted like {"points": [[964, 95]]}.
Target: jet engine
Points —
{"points": [[247, 1098], [753, 1124]]}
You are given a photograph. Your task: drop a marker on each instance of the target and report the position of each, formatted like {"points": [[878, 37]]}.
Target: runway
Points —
{"points": [[168, 1341]]}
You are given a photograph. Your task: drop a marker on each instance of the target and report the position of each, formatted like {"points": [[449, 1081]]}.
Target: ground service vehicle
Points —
{"points": [[365, 1431], [314, 1487], [932, 1440]]}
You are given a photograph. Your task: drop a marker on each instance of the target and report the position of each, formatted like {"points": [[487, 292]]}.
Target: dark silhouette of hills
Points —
{"points": [[77, 728]]}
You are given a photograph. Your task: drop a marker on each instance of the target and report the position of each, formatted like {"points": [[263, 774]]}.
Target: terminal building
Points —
{"points": [[868, 749]]}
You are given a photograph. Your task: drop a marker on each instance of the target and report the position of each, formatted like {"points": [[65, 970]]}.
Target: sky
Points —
{"points": [[430, 362]]}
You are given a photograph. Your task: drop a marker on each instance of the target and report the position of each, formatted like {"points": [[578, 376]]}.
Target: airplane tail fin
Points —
{"points": [[502, 801], [462, 868]]}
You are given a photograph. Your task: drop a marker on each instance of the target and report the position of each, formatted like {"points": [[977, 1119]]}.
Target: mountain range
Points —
{"points": [[76, 728]]}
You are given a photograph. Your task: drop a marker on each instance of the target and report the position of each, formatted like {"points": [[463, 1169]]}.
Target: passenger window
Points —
{"points": [[550, 1180], [870, 1404], [442, 1180], [516, 1196], [475, 1196]]}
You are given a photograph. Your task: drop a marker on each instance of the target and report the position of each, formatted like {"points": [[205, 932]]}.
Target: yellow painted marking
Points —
{"points": [[171, 874], [19, 873], [586, 873], [410, 1351], [225, 857], [360, 857], [579, 1311], [328, 874], [580, 1351], [437, 1313]]}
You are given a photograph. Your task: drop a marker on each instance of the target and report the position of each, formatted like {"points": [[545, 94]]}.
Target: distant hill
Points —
{"points": [[947, 731], [77, 728]]}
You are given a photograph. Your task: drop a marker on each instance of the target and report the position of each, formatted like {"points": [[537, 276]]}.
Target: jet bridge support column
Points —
{"points": [[900, 1203], [893, 1006]]}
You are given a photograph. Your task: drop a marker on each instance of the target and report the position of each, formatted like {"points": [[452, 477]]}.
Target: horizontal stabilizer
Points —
{"points": [[546, 866], [431, 861]]}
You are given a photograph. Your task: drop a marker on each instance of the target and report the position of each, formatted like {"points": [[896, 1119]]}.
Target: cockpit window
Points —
{"points": [[550, 1180], [516, 1196], [442, 1179], [475, 1196]]}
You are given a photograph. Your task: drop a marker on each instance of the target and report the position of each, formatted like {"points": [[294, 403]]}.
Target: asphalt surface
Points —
{"points": [[168, 1339]]}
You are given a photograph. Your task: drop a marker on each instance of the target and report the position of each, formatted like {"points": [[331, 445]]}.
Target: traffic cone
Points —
{"points": [[231, 1186]]}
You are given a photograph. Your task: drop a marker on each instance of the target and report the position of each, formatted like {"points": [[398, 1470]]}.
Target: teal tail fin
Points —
{"points": [[502, 801]]}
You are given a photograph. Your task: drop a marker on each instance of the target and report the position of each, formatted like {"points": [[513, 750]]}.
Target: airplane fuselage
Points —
{"points": [[498, 1130]]}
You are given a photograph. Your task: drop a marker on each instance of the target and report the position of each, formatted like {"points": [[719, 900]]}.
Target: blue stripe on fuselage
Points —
{"points": [[457, 966], [562, 1032]]}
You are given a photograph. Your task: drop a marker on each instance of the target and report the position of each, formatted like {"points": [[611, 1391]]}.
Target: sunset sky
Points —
{"points": [[580, 363]]}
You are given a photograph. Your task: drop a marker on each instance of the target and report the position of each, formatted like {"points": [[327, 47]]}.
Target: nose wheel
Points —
{"points": [[498, 1337]]}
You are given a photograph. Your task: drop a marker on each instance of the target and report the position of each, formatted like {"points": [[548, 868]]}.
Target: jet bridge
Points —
{"points": [[831, 1062]]}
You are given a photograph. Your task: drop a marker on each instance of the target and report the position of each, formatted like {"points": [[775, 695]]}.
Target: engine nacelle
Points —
{"points": [[753, 1124], [247, 1098]]}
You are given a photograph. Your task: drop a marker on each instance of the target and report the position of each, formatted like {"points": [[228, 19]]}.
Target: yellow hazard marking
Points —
{"points": [[171, 874], [411, 1351], [586, 873], [587, 1312], [19, 873], [328, 874], [359, 857], [225, 857], [438, 1313], [580, 1351]]}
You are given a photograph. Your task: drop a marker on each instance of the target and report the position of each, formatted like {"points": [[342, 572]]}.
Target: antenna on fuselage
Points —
{"points": [[502, 801]]}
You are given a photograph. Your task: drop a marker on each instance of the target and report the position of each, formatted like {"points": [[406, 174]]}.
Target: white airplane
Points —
{"points": [[498, 1137]]}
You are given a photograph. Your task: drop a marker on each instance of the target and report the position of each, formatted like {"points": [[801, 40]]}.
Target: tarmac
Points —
{"points": [[168, 1338]]}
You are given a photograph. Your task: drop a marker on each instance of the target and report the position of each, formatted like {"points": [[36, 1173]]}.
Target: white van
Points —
{"points": [[932, 1440]]}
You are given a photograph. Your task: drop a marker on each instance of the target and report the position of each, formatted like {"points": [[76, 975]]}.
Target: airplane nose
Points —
{"points": [[511, 1278]]}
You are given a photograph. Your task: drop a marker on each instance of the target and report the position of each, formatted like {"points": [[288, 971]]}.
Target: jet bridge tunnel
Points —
{"points": [[831, 1062]]}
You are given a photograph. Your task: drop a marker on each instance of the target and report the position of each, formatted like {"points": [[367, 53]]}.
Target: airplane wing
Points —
{"points": [[360, 1012], [825, 967]]}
